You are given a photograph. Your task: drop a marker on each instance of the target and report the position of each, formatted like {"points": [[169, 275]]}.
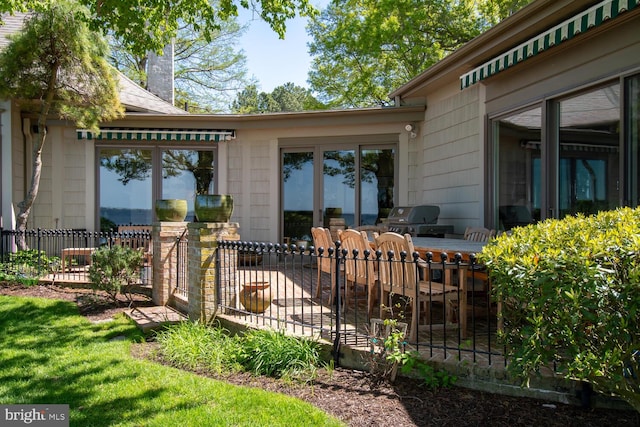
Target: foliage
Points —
{"points": [[57, 66], [275, 354], [51, 354], [375, 165], [287, 97], [206, 72], [113, 268], [27, 266], [57, 60], [136, 165], [149, 25], [363, 49], [198, 346], [387, 353], [571, 298]]}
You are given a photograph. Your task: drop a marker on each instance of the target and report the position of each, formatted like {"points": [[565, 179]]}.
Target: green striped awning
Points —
{"points": [[110, 134], [589, 18]]}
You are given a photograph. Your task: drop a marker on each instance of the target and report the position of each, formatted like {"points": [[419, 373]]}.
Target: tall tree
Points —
{"points": [[206, 73], [58, 67], [287, 97], [149, 25], [363, 49]]}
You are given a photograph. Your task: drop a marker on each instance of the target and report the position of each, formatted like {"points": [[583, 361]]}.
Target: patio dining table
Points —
{"points": [[438, 245]]}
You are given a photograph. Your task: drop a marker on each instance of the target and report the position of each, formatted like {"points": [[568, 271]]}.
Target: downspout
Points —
{"points": [[27, 138], [7, 214]]}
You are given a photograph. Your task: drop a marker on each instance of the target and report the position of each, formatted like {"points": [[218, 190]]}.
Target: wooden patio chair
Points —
{"points": [[401, 278], [478, 275], [359, 269], [135, 237], [479, 234], [322, 239]]}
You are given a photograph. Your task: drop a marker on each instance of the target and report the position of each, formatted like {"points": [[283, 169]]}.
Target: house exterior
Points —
{"points": [[536, 118]]}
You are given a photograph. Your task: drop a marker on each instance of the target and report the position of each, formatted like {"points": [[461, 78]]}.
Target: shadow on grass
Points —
{"points": [[50, 355]]}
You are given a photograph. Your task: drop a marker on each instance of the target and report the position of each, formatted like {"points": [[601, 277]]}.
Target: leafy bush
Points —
{"points": [[571, 297], [275, 354], [387, 352], [27, 266], [114, 267], [197, 346]]}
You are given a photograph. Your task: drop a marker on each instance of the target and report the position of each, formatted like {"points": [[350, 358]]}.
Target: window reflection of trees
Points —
{"points": [[376, 165]]}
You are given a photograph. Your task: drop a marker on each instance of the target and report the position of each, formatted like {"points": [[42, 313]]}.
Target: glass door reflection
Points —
{"points": [[338, 190], [297, 194]]}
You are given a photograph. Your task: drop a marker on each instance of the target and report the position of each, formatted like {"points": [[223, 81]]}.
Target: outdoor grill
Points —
{"points": [[421, 221]]}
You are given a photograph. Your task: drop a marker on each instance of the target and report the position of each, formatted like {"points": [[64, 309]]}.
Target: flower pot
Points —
{"points": [[246, 258], [213, 207], [255, 296], [174, 210]]}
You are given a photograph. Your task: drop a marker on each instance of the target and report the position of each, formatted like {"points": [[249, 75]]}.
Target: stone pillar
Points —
{"points": [[165, 259], [202, 251]]}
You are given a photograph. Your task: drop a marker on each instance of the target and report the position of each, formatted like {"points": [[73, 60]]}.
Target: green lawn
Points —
{"points": [[50, 354]]}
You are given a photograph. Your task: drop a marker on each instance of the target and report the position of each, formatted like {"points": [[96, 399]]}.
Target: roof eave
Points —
{"points": [[525, 23]]}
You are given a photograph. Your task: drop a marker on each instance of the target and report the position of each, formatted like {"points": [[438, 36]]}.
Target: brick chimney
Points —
{"points": [[160, 74]]}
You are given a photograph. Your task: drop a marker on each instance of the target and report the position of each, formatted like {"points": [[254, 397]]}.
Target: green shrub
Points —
{"points": [[387, 353], [114, 267], [275, 354], [196, 346], [571, 297]]}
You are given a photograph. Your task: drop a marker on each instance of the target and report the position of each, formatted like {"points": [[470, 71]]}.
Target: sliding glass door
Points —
{"points": [[297, 195], [563, 157], [349, 186], [588, 154], [186, 173]]}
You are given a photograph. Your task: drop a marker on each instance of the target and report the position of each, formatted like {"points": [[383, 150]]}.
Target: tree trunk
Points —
{"points": [[24, 207]]}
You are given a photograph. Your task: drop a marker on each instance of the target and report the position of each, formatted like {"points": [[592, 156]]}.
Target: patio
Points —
{"points": [[292, 276], [295, 303]]}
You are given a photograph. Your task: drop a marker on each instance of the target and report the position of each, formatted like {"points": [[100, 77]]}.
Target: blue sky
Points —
{"points": [[274, 62]]}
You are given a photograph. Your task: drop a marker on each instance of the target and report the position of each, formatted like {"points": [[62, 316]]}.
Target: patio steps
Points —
{"points": [[153, 318]]}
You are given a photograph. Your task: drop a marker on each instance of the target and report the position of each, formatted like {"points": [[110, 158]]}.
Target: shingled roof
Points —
{"points": [[133, 97]]}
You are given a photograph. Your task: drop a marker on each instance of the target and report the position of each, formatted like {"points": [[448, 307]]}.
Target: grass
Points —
{"points": [[50, 354]]}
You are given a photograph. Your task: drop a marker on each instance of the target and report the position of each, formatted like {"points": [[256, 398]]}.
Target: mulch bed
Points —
{"points": [[353, 397]]}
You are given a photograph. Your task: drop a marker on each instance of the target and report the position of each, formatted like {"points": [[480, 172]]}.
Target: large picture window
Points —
{"points": [[129, 181]]}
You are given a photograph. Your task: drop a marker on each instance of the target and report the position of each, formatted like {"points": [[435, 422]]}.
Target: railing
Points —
{"points": [[305, 301], [65, 254], [301, 298], [182, 266]]}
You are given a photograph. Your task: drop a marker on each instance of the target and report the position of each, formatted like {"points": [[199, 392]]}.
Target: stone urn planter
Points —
{"points": [[246, 258], [173, 210], [255, 296], [213, 207]]}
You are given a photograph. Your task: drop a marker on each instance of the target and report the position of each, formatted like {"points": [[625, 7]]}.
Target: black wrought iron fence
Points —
{"points": [[182, 266], [65, 254], [281, 286]]}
